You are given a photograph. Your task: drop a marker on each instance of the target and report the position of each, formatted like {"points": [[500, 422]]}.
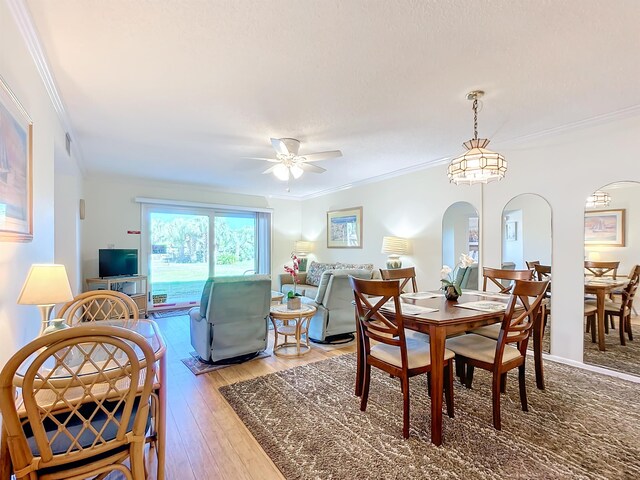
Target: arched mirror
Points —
{"points": [[461, 234], [526, 240], [612, 256]]}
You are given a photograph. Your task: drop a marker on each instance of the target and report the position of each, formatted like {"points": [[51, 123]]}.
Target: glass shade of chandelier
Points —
{"points": [[478, 164], [598, 199]]}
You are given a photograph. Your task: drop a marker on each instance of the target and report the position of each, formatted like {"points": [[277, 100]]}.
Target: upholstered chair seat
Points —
{"points": [[480, 348], [418, 353]]}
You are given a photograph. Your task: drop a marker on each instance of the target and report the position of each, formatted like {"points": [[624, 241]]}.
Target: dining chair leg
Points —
{"points": [[503, 382], [495, 400], [613, 325], [459, 369], [365, 387], [628, 325], [523, 388], [469, 376], [606, 324], [622, 328], [405, 413], [448, 388], [591, 320]]}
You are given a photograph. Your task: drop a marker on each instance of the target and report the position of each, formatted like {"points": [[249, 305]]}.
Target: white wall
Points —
{"points": [[111, 211], [18, 323], [563, 169]]}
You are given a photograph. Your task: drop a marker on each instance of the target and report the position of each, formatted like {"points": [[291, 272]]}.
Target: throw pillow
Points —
{"points": [[315, 271]]}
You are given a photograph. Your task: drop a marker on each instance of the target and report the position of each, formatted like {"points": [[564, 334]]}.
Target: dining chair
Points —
{"points": [[84, 404], [498, 277], [621, 309], [498, 356], [393, 353], [405, 275], [599, 269], [531, 264], [634, 273], [542, 272], [96, 305]]}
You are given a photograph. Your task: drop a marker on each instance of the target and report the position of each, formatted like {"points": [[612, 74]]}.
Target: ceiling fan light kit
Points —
{"points": [[478, 164], [288, 164]]}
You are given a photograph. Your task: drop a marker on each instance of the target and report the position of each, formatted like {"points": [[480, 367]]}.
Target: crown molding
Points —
{"points": [[24, 22], [627, 112]]}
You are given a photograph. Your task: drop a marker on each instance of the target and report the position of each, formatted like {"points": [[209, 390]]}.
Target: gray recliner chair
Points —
{"points": [[334, 301], [232, 318]]}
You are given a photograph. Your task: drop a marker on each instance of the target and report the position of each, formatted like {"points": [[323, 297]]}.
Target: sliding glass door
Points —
{"points": [[179, 258], [183, 246]]}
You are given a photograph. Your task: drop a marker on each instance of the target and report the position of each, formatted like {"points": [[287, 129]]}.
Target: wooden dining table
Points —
{"points": [[150, 331], [448, 319], [601, 287]]}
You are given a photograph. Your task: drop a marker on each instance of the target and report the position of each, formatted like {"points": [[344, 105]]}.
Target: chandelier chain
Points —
{"points": [[475, 118]]}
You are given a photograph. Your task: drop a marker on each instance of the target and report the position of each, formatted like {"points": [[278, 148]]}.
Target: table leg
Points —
{"points": [[5, 458], [600, 304], [538, 332], [437, 338]]}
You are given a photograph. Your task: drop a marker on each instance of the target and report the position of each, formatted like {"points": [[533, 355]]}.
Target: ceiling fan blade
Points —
{"points": [[270, 169], [315, 157], [279, 146], [272, 160], [307, 167]]}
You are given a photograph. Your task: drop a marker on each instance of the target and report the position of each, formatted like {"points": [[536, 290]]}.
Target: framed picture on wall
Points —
{"points": [[344, 228], [604, 227], [511, 231], [16, 214]]}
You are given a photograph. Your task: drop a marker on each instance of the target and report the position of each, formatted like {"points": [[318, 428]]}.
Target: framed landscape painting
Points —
{"points": [[344, 228], [604, 227], [16, 215]]}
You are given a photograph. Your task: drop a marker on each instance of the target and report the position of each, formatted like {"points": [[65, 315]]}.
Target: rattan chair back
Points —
{"points": [[99, 305]]}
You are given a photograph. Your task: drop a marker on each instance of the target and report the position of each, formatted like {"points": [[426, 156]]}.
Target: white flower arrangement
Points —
{"points": [[448, 276]]}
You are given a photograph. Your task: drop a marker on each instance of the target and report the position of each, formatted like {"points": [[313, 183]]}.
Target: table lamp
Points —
{"points": [[45, 286], [394, 246], [301, 249]]}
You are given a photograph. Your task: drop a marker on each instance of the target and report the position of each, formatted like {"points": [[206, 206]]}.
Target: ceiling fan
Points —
{"points": [[289, 164]]}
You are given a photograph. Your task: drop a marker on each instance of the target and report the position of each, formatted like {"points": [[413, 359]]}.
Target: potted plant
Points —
{"points": [[451, 278], [293, 297]]}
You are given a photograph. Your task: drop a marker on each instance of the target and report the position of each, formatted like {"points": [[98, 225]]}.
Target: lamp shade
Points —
{"points": [[46, 285], [302, 247], [394, 245]]}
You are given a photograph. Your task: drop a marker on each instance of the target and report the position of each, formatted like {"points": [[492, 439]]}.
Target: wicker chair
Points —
{"points": [[99, 305], [79, 416]]}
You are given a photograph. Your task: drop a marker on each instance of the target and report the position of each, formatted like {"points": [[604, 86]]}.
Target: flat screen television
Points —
{"points": [[114, 262]]}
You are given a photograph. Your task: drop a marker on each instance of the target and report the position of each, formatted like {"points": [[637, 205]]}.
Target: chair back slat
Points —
{"points": [[495, 275], [85, 392], [373, 323], [98, 305], [542, 272], [599, 269], [517, 323], [405, 275]]}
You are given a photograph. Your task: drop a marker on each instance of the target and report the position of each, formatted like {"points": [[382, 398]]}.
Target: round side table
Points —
{"points": [[291, 323]]}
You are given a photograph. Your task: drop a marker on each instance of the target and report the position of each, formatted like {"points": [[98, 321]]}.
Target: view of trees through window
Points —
{"points": [[180, 253]]}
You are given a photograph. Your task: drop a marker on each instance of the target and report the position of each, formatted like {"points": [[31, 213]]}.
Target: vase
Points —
{"points": [[450, 293], [294, 303], [55, 324]]}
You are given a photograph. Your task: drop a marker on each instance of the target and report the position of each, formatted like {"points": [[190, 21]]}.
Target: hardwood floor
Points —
{"points": [[206, 440]]}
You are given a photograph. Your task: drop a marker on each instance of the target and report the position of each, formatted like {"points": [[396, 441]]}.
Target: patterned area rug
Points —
{"points": [[584, 426], [198, 367]]}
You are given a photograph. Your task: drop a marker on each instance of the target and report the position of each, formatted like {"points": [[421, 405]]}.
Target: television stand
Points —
{"points": [[133, 285]]}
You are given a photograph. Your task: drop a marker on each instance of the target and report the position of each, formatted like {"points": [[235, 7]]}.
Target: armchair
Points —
{"points": [[335, 313], [232, 318]]}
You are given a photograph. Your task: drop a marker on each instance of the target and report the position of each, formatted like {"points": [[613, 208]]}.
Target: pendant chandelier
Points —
{"points": [[598, 199], [478, 164]]}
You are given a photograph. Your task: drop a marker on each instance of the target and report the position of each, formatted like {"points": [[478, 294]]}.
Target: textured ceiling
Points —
{"points": [[183, 90]]}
